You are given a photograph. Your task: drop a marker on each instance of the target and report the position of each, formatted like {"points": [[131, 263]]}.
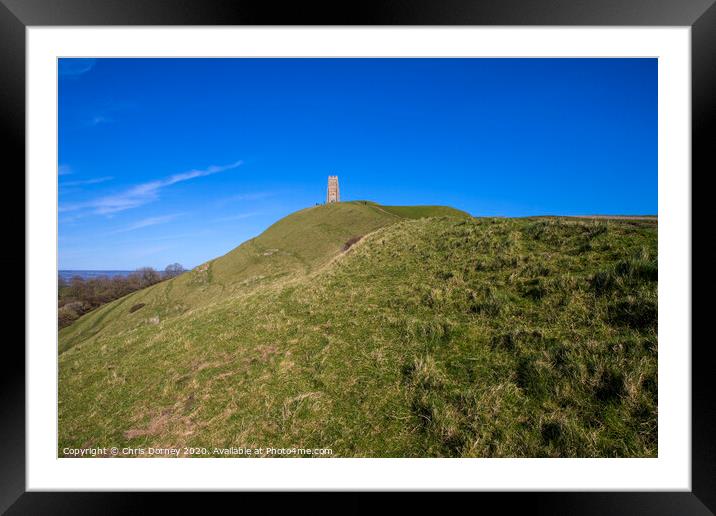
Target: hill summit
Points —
{"points": [[383, 331]]}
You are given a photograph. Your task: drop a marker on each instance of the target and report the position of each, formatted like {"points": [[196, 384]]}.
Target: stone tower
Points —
{"points": [[334, 193]]}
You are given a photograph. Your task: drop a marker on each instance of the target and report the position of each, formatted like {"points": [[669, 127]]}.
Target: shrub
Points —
{"points": [[70, 312], [65, 317]]}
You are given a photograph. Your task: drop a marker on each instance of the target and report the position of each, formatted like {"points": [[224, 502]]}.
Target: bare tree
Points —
{"points": [[78, 296], [148, 276], [173, 270]]}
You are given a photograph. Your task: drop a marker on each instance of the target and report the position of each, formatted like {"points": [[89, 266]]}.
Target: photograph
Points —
{"points": [[394, 257]]}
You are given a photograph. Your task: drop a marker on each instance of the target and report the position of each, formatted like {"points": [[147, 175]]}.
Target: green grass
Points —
{"points": [[417, 212], [432, 336]]}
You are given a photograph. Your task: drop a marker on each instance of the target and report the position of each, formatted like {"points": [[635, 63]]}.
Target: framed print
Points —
{"points": [[444, 248]]}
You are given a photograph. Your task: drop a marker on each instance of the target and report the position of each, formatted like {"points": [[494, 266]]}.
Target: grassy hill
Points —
{"points": [[433, 334]]}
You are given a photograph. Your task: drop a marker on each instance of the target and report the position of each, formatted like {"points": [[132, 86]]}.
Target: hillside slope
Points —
{"points": [[296, 244], [441, 336]]}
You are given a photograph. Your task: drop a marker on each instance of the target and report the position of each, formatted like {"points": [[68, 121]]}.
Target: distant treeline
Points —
{"points": [[78, 296]]}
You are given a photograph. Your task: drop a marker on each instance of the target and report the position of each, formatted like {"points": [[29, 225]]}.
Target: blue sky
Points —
{"points": [[181, 160]]}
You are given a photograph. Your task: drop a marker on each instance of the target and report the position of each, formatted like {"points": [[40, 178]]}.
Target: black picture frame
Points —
{"points": [[17, 15]]}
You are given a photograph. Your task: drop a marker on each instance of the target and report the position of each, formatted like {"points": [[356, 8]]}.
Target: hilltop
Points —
{"points": [[294, 246], [383, 331]]}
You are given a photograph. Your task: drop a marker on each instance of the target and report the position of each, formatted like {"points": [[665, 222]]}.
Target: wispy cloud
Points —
{"points": [[92, 181], [64, 170], [238, 216], [142, 193], [106, 112], [151, 221], [75, 66], [99, 119]]}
